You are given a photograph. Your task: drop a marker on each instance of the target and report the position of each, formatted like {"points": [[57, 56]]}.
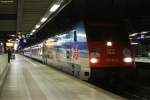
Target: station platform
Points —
{"points": [[142, 59], [31, 80]]}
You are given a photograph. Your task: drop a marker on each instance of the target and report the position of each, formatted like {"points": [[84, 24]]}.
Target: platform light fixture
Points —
{"points": [[7, 1], [147, 36], [48, 14], [37, 26], [12, 35], [9, 40], [143, 32], [54, 8], [33, 31], [138, 38], [142, 36], [43, 19], [1, 43], [17, 39], [134, 43], [19, 33], [134, 34]]}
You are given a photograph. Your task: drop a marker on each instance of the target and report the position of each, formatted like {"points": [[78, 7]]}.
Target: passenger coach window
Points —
{"points": [[75, 36]]}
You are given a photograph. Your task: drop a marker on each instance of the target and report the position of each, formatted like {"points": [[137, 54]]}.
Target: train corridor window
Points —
{"points": [[75, 36]]}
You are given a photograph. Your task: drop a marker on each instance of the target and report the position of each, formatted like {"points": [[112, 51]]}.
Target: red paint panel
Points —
{"points": [[76, 53], [109, 56]]}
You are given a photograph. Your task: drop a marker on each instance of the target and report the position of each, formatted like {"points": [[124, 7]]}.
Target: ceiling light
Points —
{"points": [[43, 19], [37, 26], [9, 40], [19, 37], [6, 1], [12, 35], [147, 37], [19, 32], [143, 32], [134, 43], [142, 36], [134, 34], [33, 31], [138, 38], [54, 7]]}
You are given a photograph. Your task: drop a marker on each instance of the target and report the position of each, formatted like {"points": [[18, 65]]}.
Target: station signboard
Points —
{"points": [[9, 44]]}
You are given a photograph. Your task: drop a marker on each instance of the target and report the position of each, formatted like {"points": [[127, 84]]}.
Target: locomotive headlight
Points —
{"points": [[128, 60], [94, 60], [109, 43]]}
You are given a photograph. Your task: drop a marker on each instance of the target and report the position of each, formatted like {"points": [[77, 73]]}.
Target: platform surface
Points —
{"points": [[31, 80], [142, 59]]}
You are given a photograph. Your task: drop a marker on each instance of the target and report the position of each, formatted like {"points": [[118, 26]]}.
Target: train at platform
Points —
{"points": [[86, 50]]}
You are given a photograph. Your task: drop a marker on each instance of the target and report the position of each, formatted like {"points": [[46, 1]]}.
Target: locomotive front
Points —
{"points": [[109, 47]]}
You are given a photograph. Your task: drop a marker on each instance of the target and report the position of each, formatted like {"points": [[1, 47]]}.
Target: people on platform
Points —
{"points": [[9, 54]]}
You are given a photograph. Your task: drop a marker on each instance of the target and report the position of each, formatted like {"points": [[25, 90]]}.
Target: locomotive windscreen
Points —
{"points": [[102, 32]]}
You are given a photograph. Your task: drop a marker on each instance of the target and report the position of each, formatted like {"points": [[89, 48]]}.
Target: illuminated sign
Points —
{"points": [[50, 43], [9, 44]]}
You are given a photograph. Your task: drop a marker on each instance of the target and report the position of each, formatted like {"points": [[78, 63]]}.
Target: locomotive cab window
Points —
{"points": [[106, 32]]}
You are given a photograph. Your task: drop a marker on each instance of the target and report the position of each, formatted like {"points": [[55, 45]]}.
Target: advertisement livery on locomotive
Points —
{"points": [[86, 50]]}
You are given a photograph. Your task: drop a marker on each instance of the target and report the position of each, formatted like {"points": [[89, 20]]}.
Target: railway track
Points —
{"points": [[138, 88], [138, 91], [129, 91]]}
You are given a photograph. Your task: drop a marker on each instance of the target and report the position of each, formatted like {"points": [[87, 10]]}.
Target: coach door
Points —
{"points": [[75, 53], [44, 55], [68, 47]]}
